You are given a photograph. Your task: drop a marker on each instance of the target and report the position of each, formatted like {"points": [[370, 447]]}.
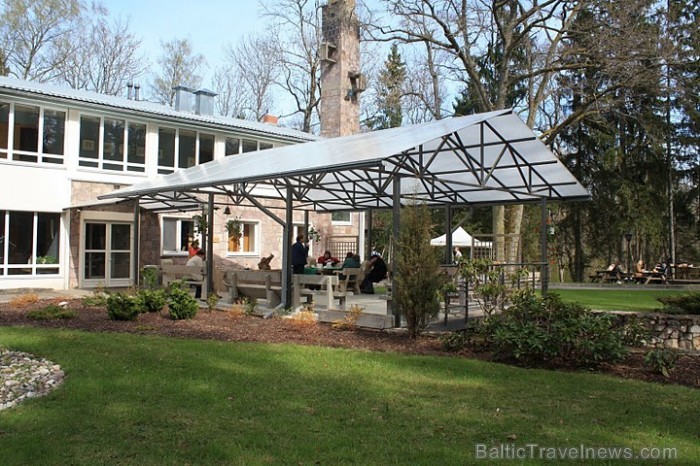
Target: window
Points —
{"points": [[248, 242], [186, 147], [249, 145], [31, 134], [136, 148], [166, 150], [176, 235], [4, 128], [54, 133], [341, 218], [102, 144], [265, 145], [206, 148], [32, 245], [233, 146]]}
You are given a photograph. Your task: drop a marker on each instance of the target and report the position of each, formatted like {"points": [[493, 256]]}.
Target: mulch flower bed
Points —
{"points": [[226, 326]]}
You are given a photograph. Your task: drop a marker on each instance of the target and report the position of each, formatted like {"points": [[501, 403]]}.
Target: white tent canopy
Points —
{"points": [[460, 238]]}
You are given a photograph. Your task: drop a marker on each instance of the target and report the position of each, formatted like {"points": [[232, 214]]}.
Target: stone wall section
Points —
{"points": [[668, 330]]}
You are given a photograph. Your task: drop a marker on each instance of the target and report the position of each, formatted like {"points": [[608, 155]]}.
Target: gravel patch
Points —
{"points": [[24, 376]]}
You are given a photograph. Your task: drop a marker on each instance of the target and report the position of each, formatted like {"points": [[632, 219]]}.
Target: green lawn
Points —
{"points": [[131, 399], [632, 299]]}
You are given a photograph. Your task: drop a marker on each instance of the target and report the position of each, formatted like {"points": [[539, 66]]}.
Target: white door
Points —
{"points": [[107, 254]]}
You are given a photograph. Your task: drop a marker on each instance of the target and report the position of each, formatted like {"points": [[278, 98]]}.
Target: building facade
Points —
{"points": [[61, 148]]}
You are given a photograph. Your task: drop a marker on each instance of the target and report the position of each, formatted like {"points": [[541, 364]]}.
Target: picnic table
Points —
{"points": [[607, 276]]}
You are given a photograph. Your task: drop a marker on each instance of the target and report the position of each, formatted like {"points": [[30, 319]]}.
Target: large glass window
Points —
{"points": [[102, 144], [248, 241], [177, 235], [265, 145], [31, 134], [183, 148], [29, 243]]}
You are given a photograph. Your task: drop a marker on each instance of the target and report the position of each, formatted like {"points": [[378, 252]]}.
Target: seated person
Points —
{"points": [[376, 273], [350, 262], [639, 270], [198, 261], [615, 270], [328, 259]]}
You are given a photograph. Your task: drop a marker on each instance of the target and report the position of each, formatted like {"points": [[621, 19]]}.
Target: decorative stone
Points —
{"points": [[673, 344]]}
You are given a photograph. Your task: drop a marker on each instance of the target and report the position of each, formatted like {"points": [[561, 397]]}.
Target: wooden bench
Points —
{"points": [[187, 273], [330, 289], [255, 284], [353, 279]]}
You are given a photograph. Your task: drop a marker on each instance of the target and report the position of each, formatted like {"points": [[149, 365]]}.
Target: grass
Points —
{"points": [[617, 300], [130, 399]]}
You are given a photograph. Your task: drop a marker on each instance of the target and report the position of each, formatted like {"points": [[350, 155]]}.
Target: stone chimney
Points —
{"points": [[341, 80]]}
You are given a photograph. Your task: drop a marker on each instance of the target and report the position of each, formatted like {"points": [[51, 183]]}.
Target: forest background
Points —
{"points": [[611, 87]]}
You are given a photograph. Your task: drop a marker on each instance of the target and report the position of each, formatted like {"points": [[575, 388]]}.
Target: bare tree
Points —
{"points": [[426, 90], [106, 57], [490, 45], [179, 66], [249, 74], [231, 98], [33, 36], [299, 26]]}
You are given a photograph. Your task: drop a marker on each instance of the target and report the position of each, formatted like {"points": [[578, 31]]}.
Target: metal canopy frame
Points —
{"points": [[491, 158], [488, 158]]}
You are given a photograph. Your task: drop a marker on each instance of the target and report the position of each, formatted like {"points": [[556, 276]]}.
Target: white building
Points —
{"points": [[61, 148]]}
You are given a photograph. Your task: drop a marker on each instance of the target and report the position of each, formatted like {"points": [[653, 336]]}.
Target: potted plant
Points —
{"points": [[314, 234], [234, 228]]}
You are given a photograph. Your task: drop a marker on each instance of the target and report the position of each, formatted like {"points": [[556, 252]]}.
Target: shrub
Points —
{"points": [[122, 306], [661, 360], [24, 300], [180, 304], [50, 312], [536, 329], [212, 301], [418, 276], [153, 300], [688, 303], [304, 319], [350, 320]]}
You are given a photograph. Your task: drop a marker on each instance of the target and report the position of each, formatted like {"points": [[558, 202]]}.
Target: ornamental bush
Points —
{"points": [[122, 306], [544, 329], [180, 304], [688, 303], [153, 300]]}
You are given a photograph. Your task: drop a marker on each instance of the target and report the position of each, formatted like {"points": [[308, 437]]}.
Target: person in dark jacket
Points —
{"points": [[300, 254], [377, 273]]}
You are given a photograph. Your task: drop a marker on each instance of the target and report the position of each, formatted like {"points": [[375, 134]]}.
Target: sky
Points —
{"points": [[208, 24]]}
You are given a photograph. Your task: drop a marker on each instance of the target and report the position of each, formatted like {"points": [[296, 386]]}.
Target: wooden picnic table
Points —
{"points": [[607, 276]]}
